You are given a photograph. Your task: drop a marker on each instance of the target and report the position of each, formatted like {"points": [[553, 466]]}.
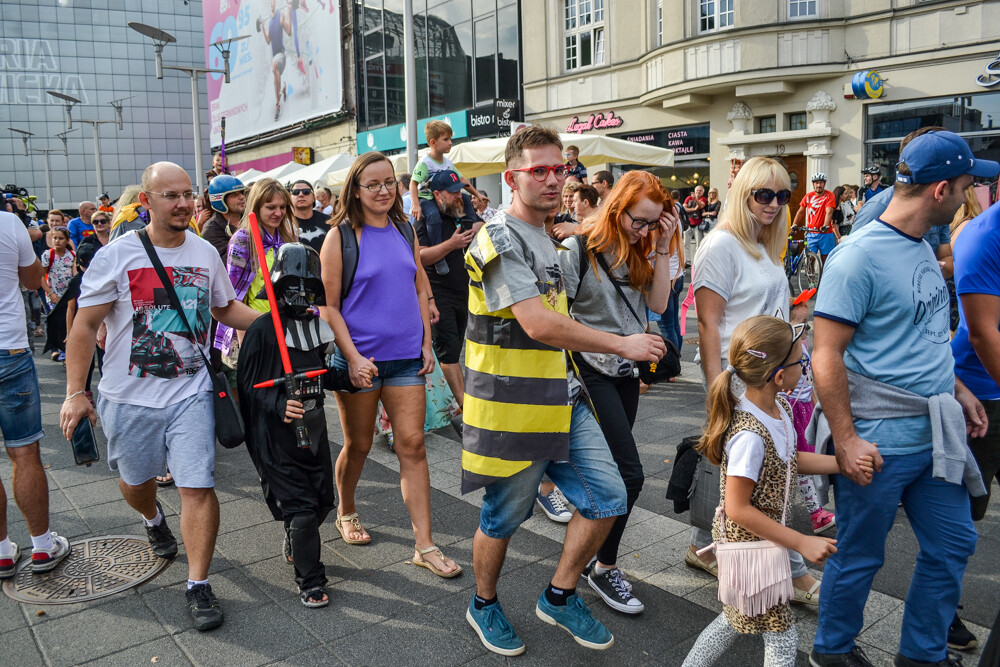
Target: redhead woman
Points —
{"points": [[382, 329], [737, 274], [610, 282]]}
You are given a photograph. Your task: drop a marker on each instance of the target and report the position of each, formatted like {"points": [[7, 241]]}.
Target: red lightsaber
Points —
{"points": [[291, 379]]}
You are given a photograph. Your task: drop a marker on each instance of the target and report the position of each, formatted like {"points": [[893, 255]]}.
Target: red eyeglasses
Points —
{"points": [[541, 172]]}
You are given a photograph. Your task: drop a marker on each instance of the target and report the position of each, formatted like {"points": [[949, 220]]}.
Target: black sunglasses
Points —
{"points": [[766, 195], [302, 191]]}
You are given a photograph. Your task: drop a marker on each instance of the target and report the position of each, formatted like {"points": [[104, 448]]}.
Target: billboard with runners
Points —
{"points": [[288, 71]]}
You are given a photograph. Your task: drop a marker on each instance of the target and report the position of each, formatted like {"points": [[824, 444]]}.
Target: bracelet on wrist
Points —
{"points": [[74, 395], [665, 254], [430, 298]]}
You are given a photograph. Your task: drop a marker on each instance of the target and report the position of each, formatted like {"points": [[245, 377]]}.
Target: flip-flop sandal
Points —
{"points": [[313, 598], [165, 480], [419, 561], [355, 524]]}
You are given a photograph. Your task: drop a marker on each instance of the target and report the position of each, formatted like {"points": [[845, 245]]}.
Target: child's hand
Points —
{"points": [[415, 209], [817, 549], [293, 410], [867, 465]]}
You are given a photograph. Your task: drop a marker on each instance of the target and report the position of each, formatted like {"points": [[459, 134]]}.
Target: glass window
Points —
{"points": [[375, 91], [767, 124], [486, 79], [584, 33], [508, 51], [659, 23], [798, 9], [715, 15], [797, 121]]}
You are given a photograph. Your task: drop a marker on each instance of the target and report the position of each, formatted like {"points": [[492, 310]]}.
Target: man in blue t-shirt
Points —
{"points": [[872, 174], [882, 312], [80, 227]]}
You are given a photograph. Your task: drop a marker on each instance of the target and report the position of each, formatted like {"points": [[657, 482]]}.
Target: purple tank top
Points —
{"points": [[381, 310]]}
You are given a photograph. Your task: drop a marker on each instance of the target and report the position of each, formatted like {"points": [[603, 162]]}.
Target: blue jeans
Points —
{"points": [[670, 324], [20, 400], [941, 519], [395, 373], [590, 480]]}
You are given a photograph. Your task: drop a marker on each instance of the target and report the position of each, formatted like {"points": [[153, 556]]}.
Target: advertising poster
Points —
{"points": [[288, 71]]}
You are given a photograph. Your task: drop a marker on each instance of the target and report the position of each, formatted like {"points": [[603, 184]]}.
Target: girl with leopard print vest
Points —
{"points": [[753, 440]]}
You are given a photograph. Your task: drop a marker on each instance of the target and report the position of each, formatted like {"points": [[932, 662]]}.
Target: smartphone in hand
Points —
{"points": [[85, 450]]}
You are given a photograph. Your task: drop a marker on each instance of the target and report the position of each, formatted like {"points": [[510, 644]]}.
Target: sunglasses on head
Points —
{"points": [[766, 195], [302, 191]]}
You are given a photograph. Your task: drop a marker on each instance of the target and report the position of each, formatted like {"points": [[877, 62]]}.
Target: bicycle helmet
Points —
{"points": [[219, 187], [818, 176], [872, 169]]}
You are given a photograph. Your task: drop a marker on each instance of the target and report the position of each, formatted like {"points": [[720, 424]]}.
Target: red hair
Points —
{"points": [[604, 231]]}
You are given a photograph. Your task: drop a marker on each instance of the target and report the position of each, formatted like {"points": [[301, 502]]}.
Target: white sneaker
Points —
{"points": [[46, 561], [8, 562]]}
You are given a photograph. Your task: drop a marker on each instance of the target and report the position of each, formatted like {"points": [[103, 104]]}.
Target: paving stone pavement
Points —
{"points": [[383, 609]]}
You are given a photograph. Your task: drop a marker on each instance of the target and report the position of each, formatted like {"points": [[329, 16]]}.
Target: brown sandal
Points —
{"points": [[419, 561], [355, 524]]}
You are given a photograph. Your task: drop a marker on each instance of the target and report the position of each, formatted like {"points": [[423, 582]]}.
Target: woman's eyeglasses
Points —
{"points": [[766, 195], [541, 172], [639, 223], [374, 188]]}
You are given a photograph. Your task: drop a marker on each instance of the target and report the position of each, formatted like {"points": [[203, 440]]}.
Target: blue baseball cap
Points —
{"points": [[940, 156], [445, 179]]}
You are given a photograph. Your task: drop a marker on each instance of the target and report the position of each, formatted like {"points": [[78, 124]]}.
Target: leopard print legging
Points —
{"points": [[780, 648]]}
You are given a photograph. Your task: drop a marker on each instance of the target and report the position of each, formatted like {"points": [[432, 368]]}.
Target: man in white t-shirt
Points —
{"points": [[21, 406], [155, 393]]}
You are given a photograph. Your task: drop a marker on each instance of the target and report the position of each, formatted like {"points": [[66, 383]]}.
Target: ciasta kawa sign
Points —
{"points": [[596, 121]]}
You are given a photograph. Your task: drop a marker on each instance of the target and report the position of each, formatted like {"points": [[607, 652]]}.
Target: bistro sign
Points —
{"points": [[493, 119], [597, 121]]}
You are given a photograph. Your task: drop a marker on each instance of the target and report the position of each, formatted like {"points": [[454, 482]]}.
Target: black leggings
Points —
{"points": [[616, 401]]}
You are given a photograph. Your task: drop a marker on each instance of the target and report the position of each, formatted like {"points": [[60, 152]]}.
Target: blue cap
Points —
{"points": [[445, 179], [940, 156]]}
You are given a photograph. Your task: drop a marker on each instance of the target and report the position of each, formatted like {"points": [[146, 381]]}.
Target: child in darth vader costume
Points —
{"points": [[298, 482]]}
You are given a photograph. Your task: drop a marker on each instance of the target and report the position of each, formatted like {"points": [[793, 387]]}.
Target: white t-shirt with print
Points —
{"points": [[151, 360], [745, 450], [15, 252], [749, 286]]}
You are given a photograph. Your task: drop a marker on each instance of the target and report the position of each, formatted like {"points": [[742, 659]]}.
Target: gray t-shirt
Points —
{"points": [[595, 300], [526, 267]]}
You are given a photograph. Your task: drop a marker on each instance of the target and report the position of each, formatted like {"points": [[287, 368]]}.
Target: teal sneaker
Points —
{"points": [[575, 619], [494, 631]]}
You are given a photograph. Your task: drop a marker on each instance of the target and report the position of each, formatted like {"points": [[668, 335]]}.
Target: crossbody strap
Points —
{"points": [[175, 303], [607, 271]]}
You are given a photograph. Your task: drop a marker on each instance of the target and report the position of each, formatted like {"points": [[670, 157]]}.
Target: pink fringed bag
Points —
{"points": [[754, 576]]}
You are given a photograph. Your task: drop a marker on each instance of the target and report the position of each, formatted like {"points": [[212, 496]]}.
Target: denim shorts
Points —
{"points": [[141, 439], [20, 400], [590, 480], [395, 373]]}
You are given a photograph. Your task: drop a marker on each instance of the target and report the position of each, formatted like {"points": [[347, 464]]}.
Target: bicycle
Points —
{"points": [[800, 262]]}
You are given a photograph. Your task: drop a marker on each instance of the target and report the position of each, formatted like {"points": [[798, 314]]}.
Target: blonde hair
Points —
{"points": [[968, 210], [757, 172], [129, 196], [759, 345], [437, 129]]}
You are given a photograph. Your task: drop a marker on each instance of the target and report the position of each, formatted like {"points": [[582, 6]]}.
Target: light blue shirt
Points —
{"points": [[874, 209], [888, 287]]}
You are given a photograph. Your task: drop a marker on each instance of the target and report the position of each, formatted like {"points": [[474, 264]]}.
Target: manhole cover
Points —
{"points": [[95, 568]]}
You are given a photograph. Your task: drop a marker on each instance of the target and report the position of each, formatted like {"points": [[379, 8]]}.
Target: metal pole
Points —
{"points": [[410, 84], [97, 157], [196, 112], [48, 182]]}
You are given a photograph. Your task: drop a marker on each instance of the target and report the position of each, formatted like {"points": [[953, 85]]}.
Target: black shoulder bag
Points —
{"points": [[228, 422], [649, 372]]}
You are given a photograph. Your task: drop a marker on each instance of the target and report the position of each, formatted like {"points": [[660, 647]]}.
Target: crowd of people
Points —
{"points": [[538, 318]]}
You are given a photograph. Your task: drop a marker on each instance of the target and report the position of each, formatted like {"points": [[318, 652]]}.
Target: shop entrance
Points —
{"points": [[796, 166]]}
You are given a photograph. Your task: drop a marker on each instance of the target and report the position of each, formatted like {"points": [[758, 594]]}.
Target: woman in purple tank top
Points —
{"points": [[383, 335]]}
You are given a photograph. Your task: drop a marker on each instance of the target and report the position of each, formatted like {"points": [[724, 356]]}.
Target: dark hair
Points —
{"points": [[589, 193], [349, 206], [302, 180], [532, 136], [405, 180], [605, 176], [329, 193]]}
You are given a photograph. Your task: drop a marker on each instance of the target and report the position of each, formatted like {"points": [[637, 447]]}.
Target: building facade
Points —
{"points": [[725, 80], [86, 50]]}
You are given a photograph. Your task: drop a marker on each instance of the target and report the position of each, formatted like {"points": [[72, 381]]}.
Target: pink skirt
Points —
{"points": [[801, 414]]}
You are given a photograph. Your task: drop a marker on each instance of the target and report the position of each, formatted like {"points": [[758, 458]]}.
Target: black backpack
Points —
{"points": [[349, 252]]}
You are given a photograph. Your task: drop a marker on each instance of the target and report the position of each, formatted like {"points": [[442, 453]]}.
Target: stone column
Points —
{"points": [[819, 150]]}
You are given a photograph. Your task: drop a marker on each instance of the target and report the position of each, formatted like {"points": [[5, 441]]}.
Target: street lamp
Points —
{"points": [[161, 39], [44, 151], [95, 125]]}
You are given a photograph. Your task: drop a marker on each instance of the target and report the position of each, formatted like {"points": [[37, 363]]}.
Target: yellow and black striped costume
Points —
{"points": [[517, 401]]}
